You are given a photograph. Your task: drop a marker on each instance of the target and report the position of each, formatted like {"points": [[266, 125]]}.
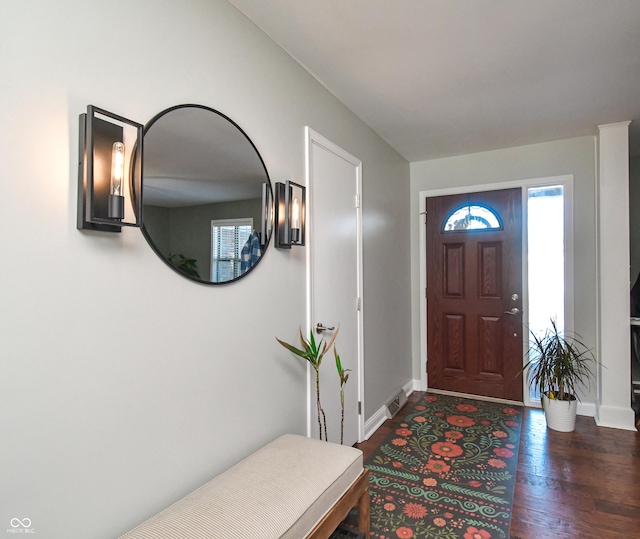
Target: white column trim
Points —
{"points": [[613, 405]]}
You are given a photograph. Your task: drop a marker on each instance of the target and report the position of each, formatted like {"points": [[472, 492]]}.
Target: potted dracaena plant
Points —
{"points": [[313, 352], [558, 364]]}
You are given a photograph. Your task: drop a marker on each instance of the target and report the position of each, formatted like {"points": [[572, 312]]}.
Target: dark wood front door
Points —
{"points": [[474, 293]]}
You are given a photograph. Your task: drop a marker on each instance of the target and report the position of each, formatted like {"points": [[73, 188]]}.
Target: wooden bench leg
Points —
{"points": [[358, 494], [363, 513]]}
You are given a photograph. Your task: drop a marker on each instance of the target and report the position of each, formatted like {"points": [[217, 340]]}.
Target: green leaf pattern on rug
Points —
{"points": [[447, 471], [473, 493], [465, 505], [487, 476], [404, 475], [482, 524], [401, 456]]}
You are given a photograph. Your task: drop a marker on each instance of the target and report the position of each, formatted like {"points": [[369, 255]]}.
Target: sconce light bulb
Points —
{"points": [[295, 217], [116, 196], [117, 168], [295, 221]]}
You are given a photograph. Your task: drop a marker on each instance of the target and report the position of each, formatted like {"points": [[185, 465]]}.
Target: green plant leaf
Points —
{"points": [[292, 348], [558, 363], [311, 342], [342, 373]]}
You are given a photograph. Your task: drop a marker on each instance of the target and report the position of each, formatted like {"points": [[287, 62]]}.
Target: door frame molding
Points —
{"points": [[314, 138], [567, 181]]}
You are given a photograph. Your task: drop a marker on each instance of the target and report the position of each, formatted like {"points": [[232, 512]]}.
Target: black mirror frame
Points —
{"points": [[269, 195]]}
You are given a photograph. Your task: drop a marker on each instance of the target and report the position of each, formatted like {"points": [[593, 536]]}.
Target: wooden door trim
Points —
{"points": [[314, 138], [421, 281]]}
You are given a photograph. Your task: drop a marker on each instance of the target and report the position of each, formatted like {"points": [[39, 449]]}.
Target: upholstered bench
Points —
{"points": [[293, 488]]}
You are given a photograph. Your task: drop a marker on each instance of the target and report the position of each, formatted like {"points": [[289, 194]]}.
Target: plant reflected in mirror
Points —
{"points": [[187, 265]]}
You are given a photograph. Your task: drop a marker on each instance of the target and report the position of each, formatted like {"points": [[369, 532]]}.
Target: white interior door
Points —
{"points": [[335, 281]]}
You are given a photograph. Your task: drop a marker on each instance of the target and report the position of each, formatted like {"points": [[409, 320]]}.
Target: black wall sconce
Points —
{"points": [[102, 171], [290, 214], [267, 214]]}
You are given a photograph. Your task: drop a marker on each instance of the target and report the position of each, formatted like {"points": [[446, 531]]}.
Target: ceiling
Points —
{"points": [[437, 78]]}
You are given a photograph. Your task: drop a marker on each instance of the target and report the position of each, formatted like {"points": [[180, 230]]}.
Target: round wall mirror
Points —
{"points": [[208, 201]]}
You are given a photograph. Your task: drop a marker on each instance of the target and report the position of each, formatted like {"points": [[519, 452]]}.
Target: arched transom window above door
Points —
{"points": [[472, 217]]}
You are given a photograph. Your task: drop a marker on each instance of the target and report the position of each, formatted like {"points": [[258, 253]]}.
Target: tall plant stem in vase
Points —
{"points": [[344, 376], [313, 352], [320, 409]]}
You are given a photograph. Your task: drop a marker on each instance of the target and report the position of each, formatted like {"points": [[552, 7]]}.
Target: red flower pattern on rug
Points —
{"points": [[446, 449], [447, 472]]}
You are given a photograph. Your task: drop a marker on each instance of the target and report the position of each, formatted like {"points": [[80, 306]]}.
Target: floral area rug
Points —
{"points": [[447, 471]]}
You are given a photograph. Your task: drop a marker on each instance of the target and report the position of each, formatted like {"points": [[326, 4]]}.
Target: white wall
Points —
{"points": [[572, 156], [122, 385]]}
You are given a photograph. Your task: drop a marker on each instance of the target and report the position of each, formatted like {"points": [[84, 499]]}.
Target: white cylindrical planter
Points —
{"points": [[561, 415]]}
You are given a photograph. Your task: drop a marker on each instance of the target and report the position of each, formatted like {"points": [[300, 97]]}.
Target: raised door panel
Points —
{"points": [[453, 270], [490, 269], [454, 328], [491, 348]]}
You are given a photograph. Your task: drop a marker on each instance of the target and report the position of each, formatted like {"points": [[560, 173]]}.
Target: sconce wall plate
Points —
{"points": [[290, 205], [101, 167], [267, 214]]}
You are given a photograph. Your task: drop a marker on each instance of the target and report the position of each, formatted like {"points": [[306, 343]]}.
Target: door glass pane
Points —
{"points": [[545, 238], [472, 217]]}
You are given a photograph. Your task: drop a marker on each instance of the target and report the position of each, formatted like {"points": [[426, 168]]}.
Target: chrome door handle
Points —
{"points": [[513, 311], [320, 328]]}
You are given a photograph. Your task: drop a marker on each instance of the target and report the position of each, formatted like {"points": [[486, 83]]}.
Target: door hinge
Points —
{"points": [[356, 201], [359, 407], [425, 292], [358, 304]]}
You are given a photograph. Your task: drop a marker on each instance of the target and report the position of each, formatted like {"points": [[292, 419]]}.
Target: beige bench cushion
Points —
{"points": [[281, 491]]}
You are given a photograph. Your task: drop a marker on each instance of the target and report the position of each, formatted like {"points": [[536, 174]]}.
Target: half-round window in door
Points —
{"points": [[472, 217]]}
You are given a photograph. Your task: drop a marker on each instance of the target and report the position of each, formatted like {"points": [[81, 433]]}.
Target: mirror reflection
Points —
{"points": [[208, 202]]}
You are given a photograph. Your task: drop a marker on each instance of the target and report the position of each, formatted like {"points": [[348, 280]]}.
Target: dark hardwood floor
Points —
{"points": [[579, 485]]}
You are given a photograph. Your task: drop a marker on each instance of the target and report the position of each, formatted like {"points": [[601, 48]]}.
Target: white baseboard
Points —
{"points": [[587, 408], [584, 408], [615, 417], [411, 386], [608, 416], [376, 420]]}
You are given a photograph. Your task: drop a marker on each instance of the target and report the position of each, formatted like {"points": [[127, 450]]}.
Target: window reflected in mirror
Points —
{"points": [[231, 247]]}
